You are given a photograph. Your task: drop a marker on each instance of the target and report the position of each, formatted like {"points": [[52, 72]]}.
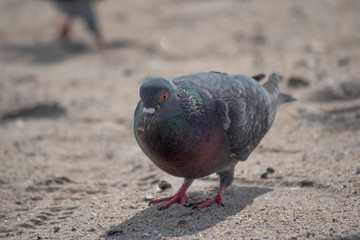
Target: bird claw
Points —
{"points": [[177, 198], [207, 203], [204, 204]]}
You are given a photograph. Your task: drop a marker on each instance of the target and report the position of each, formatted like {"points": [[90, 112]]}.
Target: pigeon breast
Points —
{"points": [[190, 140]]}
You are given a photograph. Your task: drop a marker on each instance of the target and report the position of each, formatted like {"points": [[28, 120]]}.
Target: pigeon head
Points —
{"points": [[158, 98]]}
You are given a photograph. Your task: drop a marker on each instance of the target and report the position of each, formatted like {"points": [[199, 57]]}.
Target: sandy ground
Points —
{"points": [[71, 168]]}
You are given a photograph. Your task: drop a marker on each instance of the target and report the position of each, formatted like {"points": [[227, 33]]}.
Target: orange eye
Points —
{"points": [[164, 96]]}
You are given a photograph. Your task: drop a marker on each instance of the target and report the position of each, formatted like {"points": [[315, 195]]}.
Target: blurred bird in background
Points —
{"points": [[83, 9]]}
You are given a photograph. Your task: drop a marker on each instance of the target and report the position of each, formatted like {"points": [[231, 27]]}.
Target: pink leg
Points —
{"points": [[180, 197], [65, 30], [217, 199]]}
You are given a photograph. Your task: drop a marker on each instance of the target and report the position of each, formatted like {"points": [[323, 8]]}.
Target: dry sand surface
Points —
{"points": [[71, 168]]}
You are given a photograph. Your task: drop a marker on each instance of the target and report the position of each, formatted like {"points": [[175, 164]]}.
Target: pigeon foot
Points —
{"points": [[180, 197], [207, 203]]}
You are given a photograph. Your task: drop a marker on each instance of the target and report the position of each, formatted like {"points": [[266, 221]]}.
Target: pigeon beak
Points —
{"points": [[148, 117]]}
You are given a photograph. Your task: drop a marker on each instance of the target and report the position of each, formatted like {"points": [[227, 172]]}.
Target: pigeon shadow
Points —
{"points": [[355, 236], [45, 53], [53, 52], [178, 221]]}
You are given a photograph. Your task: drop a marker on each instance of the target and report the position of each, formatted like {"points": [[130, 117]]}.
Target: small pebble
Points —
{"points": [[256, 238], [148, 197], [73, 229], [270, 170], [264, 175], [56, 229], [228, 232], [163, 185], [310, 234], [115, 231], [297, 81], [182, 222], [20, 230], [306, 183]]}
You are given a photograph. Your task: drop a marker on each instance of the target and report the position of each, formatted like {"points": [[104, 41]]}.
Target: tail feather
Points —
{"points": [[272, 87], [276, 98], [284, 98]]}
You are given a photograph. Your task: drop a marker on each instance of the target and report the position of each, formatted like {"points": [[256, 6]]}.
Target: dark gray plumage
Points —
{"points": [[83, 9], [203, 123]]}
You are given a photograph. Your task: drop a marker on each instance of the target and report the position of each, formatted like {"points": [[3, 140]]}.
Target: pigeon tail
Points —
{"points": [[272, 87], [284, 98], [276, 98]]}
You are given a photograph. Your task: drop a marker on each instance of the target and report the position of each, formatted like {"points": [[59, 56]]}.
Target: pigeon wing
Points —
{"points": [[244, 106]]}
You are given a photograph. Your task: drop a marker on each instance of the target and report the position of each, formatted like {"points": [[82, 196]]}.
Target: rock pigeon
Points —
{"points": [[82, 9], [204, 123]]}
